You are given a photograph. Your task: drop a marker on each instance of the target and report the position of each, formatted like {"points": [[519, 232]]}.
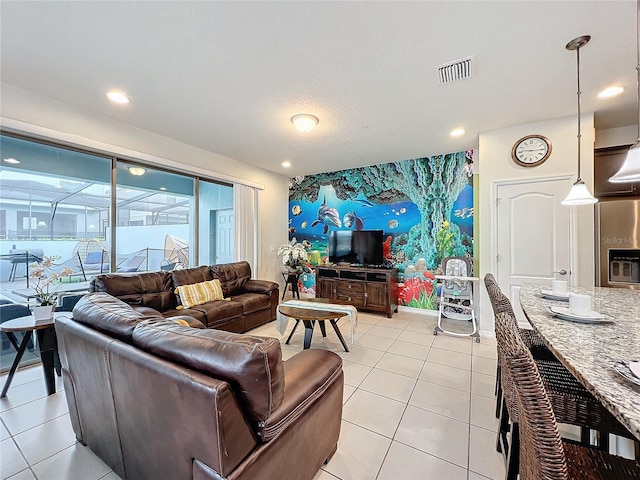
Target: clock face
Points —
{"points": [[531, 150]]}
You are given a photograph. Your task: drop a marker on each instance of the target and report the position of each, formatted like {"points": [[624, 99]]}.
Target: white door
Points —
{"points": [[532, 236], [224, 236]]}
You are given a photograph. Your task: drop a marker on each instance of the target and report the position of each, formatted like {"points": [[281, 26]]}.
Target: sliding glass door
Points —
{"points": [[154, 210]]}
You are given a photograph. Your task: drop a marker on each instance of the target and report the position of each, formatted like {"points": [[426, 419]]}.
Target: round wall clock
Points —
{"points": [[531, 151]]}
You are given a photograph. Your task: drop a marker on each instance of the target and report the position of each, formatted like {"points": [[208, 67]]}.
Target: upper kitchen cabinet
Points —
{"points": [[606, 163]]}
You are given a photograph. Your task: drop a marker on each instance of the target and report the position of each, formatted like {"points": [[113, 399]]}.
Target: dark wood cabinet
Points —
{"points": [[373, 289]]}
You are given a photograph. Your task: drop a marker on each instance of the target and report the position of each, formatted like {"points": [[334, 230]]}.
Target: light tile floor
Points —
{"points": [[416, 406]]}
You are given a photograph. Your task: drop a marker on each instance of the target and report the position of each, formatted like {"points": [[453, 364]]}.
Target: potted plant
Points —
{"points": [[46, 293], [294, 256]]}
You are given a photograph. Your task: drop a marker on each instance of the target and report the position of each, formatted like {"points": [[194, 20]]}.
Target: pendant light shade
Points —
{"points": [[579, 193], [630, 170]]}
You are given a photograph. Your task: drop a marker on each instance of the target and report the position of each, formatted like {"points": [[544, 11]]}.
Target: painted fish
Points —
{"points": [[394, 223], [292, 230], [296, 210], [303, 224], [403, 210], [350, 218], [466, 212], [327, 216]]}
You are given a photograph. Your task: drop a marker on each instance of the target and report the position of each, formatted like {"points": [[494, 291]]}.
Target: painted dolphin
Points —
{"points": [[350, 218], [327, 216], [363, 201]]}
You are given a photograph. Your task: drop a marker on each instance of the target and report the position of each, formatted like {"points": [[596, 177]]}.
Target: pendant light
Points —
{"points": [[630, 170], [579, 193]]}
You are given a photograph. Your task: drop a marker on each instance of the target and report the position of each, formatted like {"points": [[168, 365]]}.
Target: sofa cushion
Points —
{"points": [[252, 302], [252, 365], [214, 312], [232, 276], [189, 276], [199, 293], [108, 315], [149, 289]]}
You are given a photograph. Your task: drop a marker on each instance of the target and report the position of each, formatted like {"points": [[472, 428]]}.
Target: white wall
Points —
{"points": [[45, 117], [495, 164]]}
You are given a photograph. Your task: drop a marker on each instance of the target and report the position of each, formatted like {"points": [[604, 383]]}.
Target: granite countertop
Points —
{"points": [[590, 350]]}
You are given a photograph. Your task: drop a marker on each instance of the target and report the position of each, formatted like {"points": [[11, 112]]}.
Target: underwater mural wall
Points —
{"points": [[423, 205]]}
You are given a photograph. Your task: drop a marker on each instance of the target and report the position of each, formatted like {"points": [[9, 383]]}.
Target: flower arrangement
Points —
{"points": [[47, 294], [294, 255]]}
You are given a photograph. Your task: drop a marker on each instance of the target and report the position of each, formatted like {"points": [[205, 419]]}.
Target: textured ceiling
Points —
{"points": [[227, 76]]}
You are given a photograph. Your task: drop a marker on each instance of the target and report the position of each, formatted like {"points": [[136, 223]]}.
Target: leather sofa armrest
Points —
{"points": [[259, 286], [309, 375]]}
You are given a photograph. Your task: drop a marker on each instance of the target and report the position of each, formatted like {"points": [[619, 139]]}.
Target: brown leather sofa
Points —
{"points": [[155, 400], [252, 302]]}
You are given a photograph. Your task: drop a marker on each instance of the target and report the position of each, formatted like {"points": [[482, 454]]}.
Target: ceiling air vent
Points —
{"points": [[456, 70]]}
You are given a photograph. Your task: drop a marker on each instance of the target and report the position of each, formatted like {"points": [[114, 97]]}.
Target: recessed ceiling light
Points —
{"points": [[11, 160], [163, 188], [286, 164], [457, 132], [304, 122], [611, 92], [117, 96], [137, 171]]}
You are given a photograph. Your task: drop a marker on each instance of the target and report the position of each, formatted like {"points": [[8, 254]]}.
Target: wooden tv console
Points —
{"points": [[365, 288]]}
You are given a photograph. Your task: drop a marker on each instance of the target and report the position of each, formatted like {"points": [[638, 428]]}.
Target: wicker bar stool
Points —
{"points": [[501, 303], [543, 454], [571, 402]]}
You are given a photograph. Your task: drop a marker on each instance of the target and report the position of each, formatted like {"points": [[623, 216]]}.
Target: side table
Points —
{"points": [[47, 344], [291, 278]]}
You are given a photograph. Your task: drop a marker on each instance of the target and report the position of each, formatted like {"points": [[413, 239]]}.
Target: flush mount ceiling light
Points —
{"points": [[630, 169], [137, 171], [579, 193], [304, 122], [457, 132], [610, 92], [11, 160], [286, 164], [119, 97]]}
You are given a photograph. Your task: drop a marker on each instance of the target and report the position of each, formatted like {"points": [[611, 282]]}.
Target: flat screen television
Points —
{"points": [[356, 247]]}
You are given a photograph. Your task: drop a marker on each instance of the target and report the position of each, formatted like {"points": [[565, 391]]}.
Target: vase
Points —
{"points": [[292, 269], [43, 312]]}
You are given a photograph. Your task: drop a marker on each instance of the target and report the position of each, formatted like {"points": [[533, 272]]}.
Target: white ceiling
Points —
{"points": [[228, 76]]}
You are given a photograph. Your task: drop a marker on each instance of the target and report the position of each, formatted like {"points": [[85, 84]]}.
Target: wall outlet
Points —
{"points": [[273, 248]]}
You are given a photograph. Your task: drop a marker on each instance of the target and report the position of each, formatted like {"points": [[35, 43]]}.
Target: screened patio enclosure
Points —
{"points": [[55, 199]]}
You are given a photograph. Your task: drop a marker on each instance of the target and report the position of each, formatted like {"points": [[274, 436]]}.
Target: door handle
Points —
{"points": [[562, 272]]}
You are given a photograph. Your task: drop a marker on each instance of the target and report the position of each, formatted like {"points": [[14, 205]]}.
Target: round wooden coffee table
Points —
{"points": [[309, 317], [47, 344]]}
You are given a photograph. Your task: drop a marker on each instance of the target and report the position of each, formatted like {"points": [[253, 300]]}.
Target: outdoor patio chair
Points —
{"points": [[132, 265], [97, 261]]}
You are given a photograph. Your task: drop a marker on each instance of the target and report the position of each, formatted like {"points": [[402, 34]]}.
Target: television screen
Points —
{"points": [[358, 247]]}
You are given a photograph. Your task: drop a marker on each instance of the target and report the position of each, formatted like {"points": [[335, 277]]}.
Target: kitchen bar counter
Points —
{"points": [[589, 351]]}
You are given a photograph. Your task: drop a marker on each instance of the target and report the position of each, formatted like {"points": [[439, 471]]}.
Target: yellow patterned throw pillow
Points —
{"points": [[199, 293], [179, 321]]}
